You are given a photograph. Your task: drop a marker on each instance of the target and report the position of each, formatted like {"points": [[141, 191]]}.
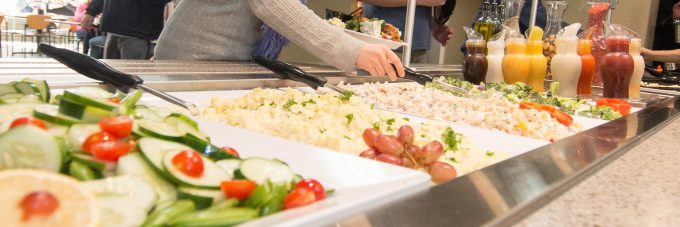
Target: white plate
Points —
{"points": [[360, 184], [375, 40]]}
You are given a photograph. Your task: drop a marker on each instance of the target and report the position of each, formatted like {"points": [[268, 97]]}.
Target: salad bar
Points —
{"points": [[270, 151]]}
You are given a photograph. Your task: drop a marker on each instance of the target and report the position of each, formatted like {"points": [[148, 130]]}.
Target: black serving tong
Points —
{"points": [[291, 72], [100, 71], [664, 78]]}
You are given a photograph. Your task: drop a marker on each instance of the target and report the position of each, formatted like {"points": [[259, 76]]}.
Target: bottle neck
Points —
{"points": [[516, 48], [566, 46], [555, 14], [474, 49], [618, 45], [535, 47], [584, 49]]}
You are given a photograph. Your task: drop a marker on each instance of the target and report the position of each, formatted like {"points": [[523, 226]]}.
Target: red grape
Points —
{"points": [[405, 135], [441, 172], [386, 158], [389, 145]]}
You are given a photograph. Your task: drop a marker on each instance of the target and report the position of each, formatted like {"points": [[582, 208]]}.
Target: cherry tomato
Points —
{"points": [[119, 126], [96, 138], [239, 189], [528, 105], [110, 150], [28, 121], [231, 151], [547, 108], [38, 203], [619, 105], [315, 186], [562, 117], [115, 100], [189, 162], [298, 197]]}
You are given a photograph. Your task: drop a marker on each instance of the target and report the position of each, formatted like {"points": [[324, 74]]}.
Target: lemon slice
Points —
{"points": [[536, 34], [77, 206]]}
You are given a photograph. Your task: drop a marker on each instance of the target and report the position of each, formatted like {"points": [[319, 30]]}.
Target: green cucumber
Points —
{"points": [[229, 165], [153, 150], [29, 99], [130, 100], [184, 118], [134, 164], [11, 97], [29, 146], [143, 112], [25, 88], [229, 203], [92, 92], [6, 89], [210, 217], [162, 112], [205, 148], [85, 113], [212, 176], [92, 162], [159, 130], [185, 125], [160, 217], [260, 169], [203, 198], [90, 101], [50, 113], [78, 133], [42, 88], [267, 197], [81, 171], [122, 200]]}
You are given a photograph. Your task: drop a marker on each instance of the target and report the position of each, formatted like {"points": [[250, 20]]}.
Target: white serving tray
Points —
{"points": [[360, 184], [375, 40]]}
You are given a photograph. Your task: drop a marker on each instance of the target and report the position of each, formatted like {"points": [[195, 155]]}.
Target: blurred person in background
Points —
{"points": [[132, 26], [83, 33], [236, 30], [666, 49], [425, 24]]}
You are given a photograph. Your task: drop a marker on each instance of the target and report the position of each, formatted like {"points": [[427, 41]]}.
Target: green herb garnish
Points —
{"points": [[390, 121], [376, 125], [346, 96], [322, 130], [350, 118], [288, 104], [347, 137], [490, 153], [453, 160], [310, 101], [272, 104], [451, 139]]}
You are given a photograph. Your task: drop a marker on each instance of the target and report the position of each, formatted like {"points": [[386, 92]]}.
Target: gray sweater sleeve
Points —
{"points": [[304, 28]]}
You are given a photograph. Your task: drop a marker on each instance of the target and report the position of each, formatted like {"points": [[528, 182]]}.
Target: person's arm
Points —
{"points": [[329, 43], [80, 12], [399, 3], [95, 8], [661, 55]]}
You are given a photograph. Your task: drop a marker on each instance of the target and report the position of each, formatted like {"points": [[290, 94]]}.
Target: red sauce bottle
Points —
{"points": [[617, 67]]}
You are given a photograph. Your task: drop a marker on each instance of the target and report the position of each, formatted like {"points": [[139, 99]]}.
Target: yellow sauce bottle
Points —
{"points": [[538, 62], [515, 62], [638, 68]]}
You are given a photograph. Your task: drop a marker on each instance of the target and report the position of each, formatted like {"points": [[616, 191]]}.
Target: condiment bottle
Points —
{"points": [[515, 62], [496, 48], [475, 63], [538, 62], [485, 24], [585, 79], [638, 68], [555, 17], [617, 65], [566, 64], [596, 12]]}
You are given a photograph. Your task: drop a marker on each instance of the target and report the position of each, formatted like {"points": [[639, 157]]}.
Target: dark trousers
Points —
{"points": [[85, 36], [118, 47]]}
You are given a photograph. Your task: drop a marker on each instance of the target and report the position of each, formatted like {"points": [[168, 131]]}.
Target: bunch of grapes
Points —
{"points": [[400, 150]]}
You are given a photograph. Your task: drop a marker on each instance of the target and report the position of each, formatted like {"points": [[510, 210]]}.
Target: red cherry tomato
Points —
{"points": [[231, 151], [189, 162], [315, 186], [562, 117], [115, 100], [28, 121], [298, 197], [239, 189], [96, 138], [528, 105], [110, 150], [547, 108], [38, 203], [620, 105], [120, 126]]}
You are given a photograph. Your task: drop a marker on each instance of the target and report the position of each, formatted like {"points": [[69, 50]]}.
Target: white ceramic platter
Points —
{"points": [[375, 40]]}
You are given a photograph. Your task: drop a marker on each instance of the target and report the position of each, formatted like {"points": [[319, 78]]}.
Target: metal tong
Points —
{"points": [[291, 72], [100, 71]]}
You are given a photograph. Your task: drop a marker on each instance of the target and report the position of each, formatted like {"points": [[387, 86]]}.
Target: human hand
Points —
{"points": [[646, 52], [430, 3], [378, 59], [87, 21], [441, 33], [676, 11]]}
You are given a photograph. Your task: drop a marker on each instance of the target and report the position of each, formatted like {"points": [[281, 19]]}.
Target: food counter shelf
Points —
{"points": [[500, 194]]}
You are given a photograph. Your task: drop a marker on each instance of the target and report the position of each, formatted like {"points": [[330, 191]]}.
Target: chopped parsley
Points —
{"points": [[453, 160], [347, 137], [451, 139], [288, 104], [272, 104], [373, 106], [390, 121], [389, 128], [407, 119], [490, 153], [423, 135], [322, 130], [310, 101], [350, 118], [346, 96], [376, 125]]}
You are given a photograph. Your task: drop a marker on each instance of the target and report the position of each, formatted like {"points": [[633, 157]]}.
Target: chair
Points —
{"points": [[39, 26]]}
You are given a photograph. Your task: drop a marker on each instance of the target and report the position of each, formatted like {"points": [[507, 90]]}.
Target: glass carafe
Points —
{"points": [[485, 25], [617, 67], [595, 11], [513, 9], [555, 17]]}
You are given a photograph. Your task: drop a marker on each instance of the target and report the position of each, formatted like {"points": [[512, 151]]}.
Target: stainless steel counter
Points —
{"points": [[500, 194]]}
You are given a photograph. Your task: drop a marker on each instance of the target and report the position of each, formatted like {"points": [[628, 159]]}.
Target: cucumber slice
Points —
{"points": [[260, 169], [29, 147], [135, 190], [115, 211], [185, 126], [88, 160], [25, 88], [91, 92], [29, 99], [130, 100], [57, 130], [11, 97], [10, 111], [229, 165], [6, 89], [206, 149], [42, 87], [161, 111], [215, 217], [90, 101], [159, 130], [154, 149], [4, 126], [134, 164], [50, 113], [81, 171], [78, 133], [212, 176], [203, 198], [160, 216], [143, 112], [85, 113]]}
